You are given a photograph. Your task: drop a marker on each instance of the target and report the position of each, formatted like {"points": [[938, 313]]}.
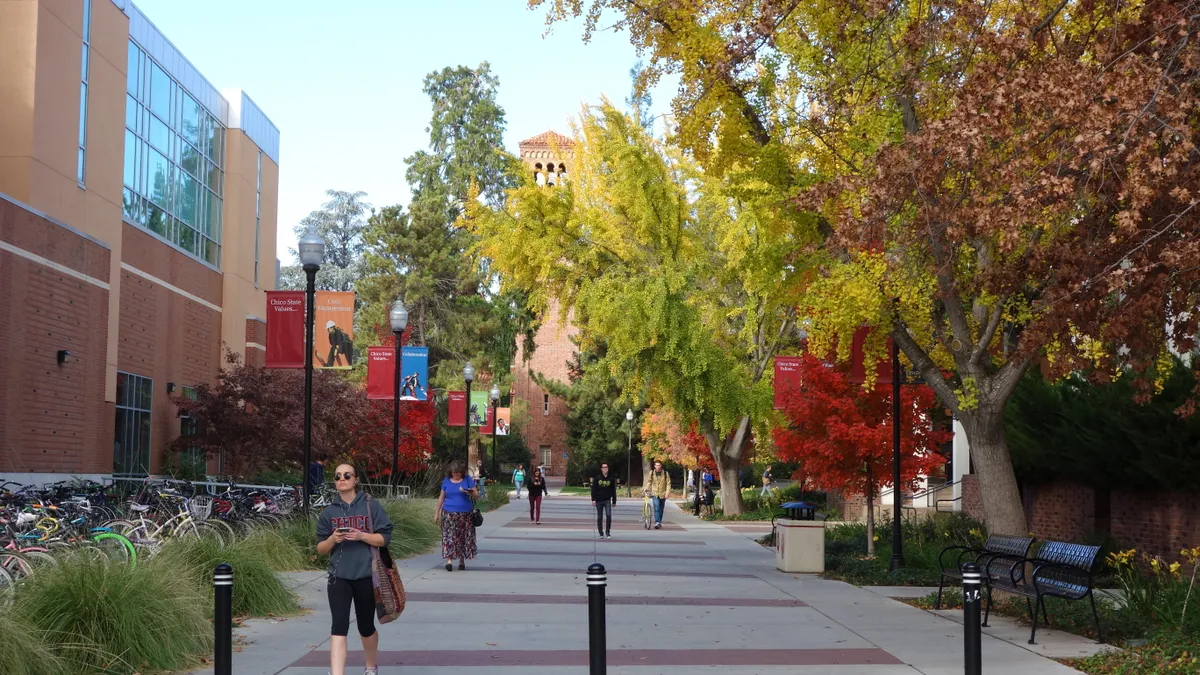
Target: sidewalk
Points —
{"points": [[692, 594]]}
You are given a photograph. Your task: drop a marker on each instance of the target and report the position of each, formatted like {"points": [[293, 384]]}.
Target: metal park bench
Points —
{"points": [[951, 558], [1060, 570]]}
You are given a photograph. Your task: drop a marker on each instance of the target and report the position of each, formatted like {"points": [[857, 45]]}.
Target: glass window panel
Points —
{"points": [[119, 434], [83, 60], [160, 135], [213, 209], [129, 202], [210, 251], [143, 450], [214, 177], [258, 205], [131, 112], [218, 141], [147, 389], [187, 198], [191, 120], [122, 382], [79, 166], [143, 212], [186, 238], [191, 160], [159, 174], [131, 69], [83, 97], [160, 92], [156, 221], [144, 125], [87, 20], [131, 144], [143, 168]]}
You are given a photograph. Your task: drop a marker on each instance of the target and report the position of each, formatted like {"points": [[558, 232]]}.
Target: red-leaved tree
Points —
{"points": [[665, 439], [842, 435], [254, 418]]}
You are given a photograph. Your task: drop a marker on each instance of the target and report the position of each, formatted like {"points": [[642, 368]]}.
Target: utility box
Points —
{"points": [[799, 542]]}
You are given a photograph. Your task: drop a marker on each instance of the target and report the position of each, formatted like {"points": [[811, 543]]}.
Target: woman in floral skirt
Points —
{"points": [[453, 512]]}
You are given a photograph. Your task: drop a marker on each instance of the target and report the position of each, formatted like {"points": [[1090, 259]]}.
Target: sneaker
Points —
{"points": [[371, 671], [608, 535], [658, 526]]}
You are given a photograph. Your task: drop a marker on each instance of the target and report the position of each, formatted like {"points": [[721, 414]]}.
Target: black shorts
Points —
{"points": [[362, 593]]}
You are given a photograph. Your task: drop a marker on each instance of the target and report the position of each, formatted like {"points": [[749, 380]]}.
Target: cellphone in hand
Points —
{"points": [[342, 530]]}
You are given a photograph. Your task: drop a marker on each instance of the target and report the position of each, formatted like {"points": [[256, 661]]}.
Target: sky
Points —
{"points": [[342, 81]]}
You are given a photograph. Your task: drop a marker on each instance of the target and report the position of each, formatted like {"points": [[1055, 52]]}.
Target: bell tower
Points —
{"points": [[545, 155]]}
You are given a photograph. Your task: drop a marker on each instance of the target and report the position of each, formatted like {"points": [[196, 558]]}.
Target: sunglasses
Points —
{"points": [[343, 476]]}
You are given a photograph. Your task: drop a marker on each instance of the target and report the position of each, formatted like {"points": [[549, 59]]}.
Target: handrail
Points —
{"points": [[936, 488], [937, 506]]}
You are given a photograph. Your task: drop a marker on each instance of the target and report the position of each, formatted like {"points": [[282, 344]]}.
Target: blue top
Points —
{"points": [[456, 500]]}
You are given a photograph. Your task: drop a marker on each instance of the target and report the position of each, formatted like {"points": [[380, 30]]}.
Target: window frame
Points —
{"points": [[134, 407]]}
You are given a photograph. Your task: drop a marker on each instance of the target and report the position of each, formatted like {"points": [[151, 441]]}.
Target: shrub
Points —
{"points": [[257, 589], [414, 531], [26, 650], [114, 618]]}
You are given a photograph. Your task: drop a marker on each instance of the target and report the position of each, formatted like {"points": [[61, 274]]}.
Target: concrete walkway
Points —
{"points": [[693, 594]]}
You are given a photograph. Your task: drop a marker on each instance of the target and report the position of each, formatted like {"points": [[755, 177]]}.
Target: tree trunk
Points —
{"points": [[727, 452], [1002, 508]]}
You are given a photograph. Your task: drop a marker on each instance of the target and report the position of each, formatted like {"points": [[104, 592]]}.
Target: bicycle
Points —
{"points": [[647, 512]]}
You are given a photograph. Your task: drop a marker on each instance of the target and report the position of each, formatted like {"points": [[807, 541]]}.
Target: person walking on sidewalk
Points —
{"points": [[767, 481], [604, 496], [537, 490], [481, 477], [658, 486], [346, 531], [453, 512], [519, 478]]}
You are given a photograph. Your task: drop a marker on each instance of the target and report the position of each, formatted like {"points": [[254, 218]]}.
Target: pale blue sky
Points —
{"points": [[342, 80]]}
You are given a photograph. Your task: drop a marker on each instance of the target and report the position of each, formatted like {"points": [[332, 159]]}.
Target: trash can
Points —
{"points": [[799, 539]]}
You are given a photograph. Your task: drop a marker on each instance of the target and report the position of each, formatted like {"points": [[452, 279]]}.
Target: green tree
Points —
{"points": [[341, 221], [686, 277]]}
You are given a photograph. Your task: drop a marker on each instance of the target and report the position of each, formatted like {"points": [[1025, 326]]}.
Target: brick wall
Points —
{"points": [[1158, 523], [554, 350], [256, 334], [164, 334], [52, 418]]}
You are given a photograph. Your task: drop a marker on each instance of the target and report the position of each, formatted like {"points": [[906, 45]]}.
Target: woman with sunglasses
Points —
{"points": [[453, 512], [346, 531]]}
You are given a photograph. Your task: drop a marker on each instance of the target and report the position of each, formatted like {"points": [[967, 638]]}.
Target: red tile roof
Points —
{"points": [[546, 137]]}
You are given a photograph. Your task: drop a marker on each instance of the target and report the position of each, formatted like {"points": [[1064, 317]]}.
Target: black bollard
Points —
{"points": [[223, 619], [597, 579], [972, 635]]}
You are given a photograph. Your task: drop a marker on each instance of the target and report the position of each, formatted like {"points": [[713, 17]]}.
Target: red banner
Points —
{"points": [[381, 373], [457, 416], [883, 369], [787, 378], [285, 329]]}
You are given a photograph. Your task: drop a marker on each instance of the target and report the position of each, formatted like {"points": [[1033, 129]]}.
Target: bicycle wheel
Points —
{"points": [[209, 531], [18, 566], [39, 558], [7, 588], [116, 547]]}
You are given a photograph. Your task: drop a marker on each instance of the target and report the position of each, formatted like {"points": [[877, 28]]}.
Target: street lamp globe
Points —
{"points": [[311, 249], [398, 316], [469, 372], [629, 415], [495, 393]]}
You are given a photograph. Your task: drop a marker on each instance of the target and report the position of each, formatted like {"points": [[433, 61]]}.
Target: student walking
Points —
{"points": [[537, 490], [767, 481], [658, 486], [604, 496], [346, 531], [453, 513], [519, 478], [481, 477]]}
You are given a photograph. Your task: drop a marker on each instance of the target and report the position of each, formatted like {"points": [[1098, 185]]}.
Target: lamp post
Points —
{"points": [[629, 454], [468, 376], [399, 319], [495, 395], [311, 248], [897, 496]]}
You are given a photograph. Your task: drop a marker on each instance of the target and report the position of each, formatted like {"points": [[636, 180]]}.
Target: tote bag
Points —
{"points": [[390, 597]]}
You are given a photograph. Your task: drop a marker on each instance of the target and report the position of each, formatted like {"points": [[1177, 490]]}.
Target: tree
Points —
{"points": [[341, 221], [684, 276], [253, 418], [664, 439], [841, 434], [1041, 204]]}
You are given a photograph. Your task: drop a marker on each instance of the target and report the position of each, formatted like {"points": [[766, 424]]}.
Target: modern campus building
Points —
{"points": [[137, 236]]}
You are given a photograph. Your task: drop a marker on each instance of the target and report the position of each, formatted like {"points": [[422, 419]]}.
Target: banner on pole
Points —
{"points": [[285, 329], [479, 408], [858, 369], [457, 413], [414, 373], [333, 330], [503, 422], [381, 373], [787, 378]]}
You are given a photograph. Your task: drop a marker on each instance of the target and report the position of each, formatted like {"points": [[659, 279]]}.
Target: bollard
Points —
{"points": [[972, 636], [223, 619], [597, 579]]}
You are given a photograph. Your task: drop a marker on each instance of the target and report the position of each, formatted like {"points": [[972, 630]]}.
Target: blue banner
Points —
{"points": [[414, 374]]}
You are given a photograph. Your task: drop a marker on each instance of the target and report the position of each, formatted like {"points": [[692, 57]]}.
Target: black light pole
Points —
{"points": [[897, 496], [311, 249], [629, 454], [468, 375], [495, 395], [399, 319]]}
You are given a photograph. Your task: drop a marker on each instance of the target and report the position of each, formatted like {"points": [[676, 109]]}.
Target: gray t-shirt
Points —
{"points": [[352, 559]]}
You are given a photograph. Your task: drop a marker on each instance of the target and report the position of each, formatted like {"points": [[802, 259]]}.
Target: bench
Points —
{"points": [[1060, 570], [997, 545]]}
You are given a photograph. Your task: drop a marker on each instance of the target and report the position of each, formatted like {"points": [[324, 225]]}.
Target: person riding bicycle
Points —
{"points": [[658, 486]]}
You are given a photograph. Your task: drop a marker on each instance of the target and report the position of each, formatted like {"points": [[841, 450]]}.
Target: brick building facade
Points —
{"points": [[554, 350], [137, 232]]}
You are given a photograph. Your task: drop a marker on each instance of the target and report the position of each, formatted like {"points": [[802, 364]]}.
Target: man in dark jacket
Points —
{"points": [[340, 347], [604, 495]]}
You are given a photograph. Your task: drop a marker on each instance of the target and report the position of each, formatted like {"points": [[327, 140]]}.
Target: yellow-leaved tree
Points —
{"points": [[685, 277]]}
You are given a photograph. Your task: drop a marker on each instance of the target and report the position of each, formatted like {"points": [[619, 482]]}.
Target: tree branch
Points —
{"points": [[929, 370], [1049, 19], [985, 337]]}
